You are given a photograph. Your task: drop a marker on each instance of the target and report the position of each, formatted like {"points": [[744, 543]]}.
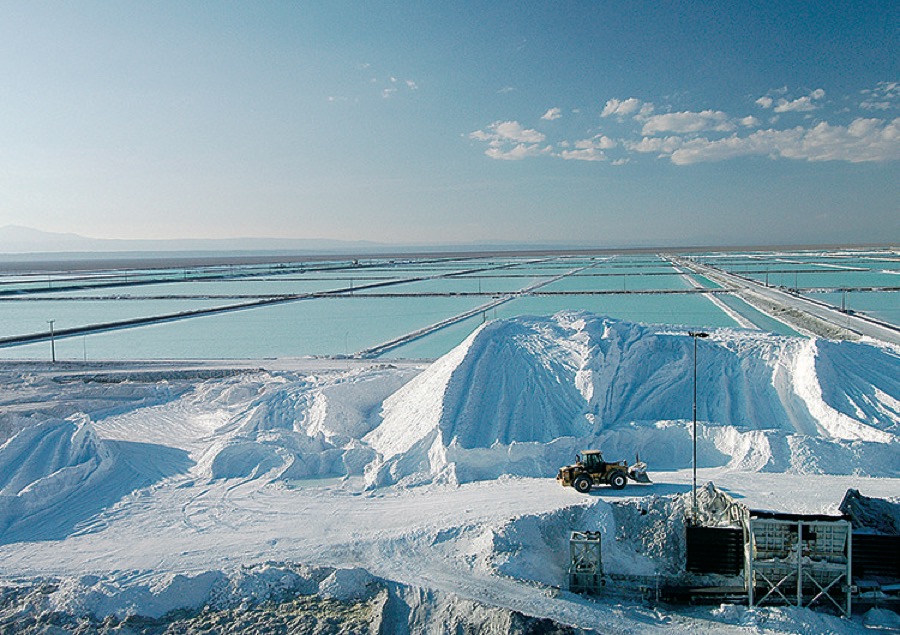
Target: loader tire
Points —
{"points": [[617, 480], [582, 484]]}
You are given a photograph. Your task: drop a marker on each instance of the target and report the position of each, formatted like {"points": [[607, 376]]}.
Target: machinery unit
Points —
{"points": [[590, 469], [585, 567], [801, 560]]}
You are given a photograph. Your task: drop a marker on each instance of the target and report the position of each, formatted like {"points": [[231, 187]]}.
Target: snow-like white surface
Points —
{"points": [[147, 496]]}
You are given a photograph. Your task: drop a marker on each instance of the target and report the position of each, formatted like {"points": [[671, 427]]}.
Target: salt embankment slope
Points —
{"points": [[57, 474], [520, 396]]}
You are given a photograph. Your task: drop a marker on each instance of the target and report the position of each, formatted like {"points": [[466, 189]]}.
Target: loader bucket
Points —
{"points": [[638, 471], [640, 477]]}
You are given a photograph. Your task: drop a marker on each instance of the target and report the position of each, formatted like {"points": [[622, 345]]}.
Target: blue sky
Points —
{"points": [[585, 123]]}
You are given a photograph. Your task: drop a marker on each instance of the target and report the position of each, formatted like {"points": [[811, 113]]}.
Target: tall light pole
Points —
{"points": [[694, 335], [52, 341]]}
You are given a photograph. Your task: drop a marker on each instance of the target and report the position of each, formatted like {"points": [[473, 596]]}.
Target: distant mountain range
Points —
{"points": [[15, 239], [19, 242]]}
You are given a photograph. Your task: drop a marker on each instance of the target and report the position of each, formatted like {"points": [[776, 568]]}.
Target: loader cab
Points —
{"points": [[593, 461]]}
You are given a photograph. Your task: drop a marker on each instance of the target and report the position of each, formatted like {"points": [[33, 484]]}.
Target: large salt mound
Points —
{"points": [[520, 395]]}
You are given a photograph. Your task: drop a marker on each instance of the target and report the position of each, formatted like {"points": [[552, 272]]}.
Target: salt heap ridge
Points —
{"points": [[520, 396]]}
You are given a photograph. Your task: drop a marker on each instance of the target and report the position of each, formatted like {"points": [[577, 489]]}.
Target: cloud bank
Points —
{"points": [[798, 127]]}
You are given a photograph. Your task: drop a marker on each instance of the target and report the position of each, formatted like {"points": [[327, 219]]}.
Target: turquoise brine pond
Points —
{"points": [[380, 301]]}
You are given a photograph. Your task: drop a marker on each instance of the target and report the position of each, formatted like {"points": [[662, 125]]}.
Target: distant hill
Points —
{"points": [[15, 239]]}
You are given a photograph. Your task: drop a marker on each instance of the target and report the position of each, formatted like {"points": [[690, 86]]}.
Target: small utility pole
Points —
{"points": [[52, 341]]}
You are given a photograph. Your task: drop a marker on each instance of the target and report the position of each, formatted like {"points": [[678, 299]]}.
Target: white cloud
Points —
{"points": [[806, 103], [506, 89], [801, 104], [749, 121], [762, 142], [646, 111], [621, 108], [583, 154], [515, 153], [411, 85], [863, 140], [513, 131], [883, 97], [552, 115], [599, 142], [509, 140], [588, 149], [663, 146], [685, 122]]}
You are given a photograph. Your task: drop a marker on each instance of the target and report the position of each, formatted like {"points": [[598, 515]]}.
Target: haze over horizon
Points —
{"points": [[614, 123]]}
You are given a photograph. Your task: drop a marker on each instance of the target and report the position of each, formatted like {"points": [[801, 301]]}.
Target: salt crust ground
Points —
{"points": [[144, 490]]}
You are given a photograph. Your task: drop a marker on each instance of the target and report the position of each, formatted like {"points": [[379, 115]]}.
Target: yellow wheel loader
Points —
{"points": [[590, 469]]}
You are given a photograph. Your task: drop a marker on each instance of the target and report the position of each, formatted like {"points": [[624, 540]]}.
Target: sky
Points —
{"points": [[584, 123]]}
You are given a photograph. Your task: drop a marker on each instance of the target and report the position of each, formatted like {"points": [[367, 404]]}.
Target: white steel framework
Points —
{"points": [[585, 567], [799, 562]]}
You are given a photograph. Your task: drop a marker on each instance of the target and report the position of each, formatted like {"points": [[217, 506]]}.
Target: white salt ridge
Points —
{"points": [[519, 396]]}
